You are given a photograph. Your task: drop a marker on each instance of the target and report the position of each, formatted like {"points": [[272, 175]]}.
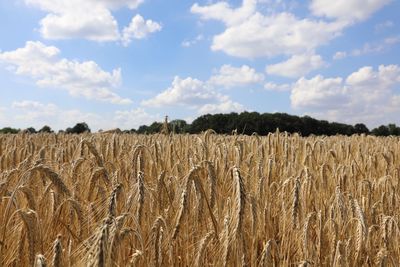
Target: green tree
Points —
{"points": [[393, 129], [360, 128], [381, 131], [31, 130], [79, 128], [178, 126], [46, 129], [9, 130]]}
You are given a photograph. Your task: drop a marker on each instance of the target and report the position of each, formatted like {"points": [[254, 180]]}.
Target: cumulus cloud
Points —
{"points": [[339, 55], [139, 28], [35, 110], [224, 12], [187, 91], [250, 34], [89, 19], [318, 92], [369, 95], [378, 47], [82, 79], [3, 117], [27, 113], [204, 95], [223, 107], [370, 48], [189, 43], [128, 119], [347, 10], [296, 66], [383, 25], [270, 86], [194, 94], [229, 76]]}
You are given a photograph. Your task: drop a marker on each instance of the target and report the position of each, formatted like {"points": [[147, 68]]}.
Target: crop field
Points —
{"points": [[199, 200]]}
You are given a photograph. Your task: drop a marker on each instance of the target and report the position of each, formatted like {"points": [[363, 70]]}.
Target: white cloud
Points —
{"points": [[224, 107], [189, 43], [134, 118], [270, 86], [368, 95], [43, 64], [35, 110], [29, 113], [250, 34], [347, 10], [339, 55], [89, 19], [139, 29], [61, 5], [115, 4], [3, 117], [187, 91], [272, 6], [384, 25], [99, 25], [378, 47], [229, 76], [194, 94], [296, 66], [224, 12], [317, 93], [204, 95]]}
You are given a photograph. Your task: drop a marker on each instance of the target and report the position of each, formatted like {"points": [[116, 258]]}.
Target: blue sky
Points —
{"points": [[123, 63]]}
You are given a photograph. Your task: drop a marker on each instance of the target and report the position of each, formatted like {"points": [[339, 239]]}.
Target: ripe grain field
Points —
{"points": [[199, 200]]}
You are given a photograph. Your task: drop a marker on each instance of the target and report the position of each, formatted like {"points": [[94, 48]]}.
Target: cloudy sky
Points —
{"points": [[123, 63]]}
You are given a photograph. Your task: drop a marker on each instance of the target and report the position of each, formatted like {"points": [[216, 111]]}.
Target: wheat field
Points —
{"points": [[199, 200]]}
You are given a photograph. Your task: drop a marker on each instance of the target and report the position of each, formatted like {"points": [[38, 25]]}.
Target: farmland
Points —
{"points": [[199, 200]]}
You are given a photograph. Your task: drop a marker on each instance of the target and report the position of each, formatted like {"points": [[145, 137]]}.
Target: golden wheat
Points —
{"points": [[113, 199]]}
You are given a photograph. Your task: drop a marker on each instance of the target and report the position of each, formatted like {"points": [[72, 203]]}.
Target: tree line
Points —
{"points": [[79, 128], [242, 123]]}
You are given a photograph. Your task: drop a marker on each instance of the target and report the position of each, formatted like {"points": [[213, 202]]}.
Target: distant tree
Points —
{"points": [[9, 130], [381, 131], [155, 127], [178, 126], [165, 126], [30, 130], [79, 128], [309, 126], [45, 129], [360, 128], [143, 129], [393, 129], [202, 123]]}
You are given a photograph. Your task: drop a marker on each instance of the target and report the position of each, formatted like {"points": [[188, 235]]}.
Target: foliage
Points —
{"points": [[46, 129], [30, 130], [79, 128], [245, 123], [9, 130]]}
